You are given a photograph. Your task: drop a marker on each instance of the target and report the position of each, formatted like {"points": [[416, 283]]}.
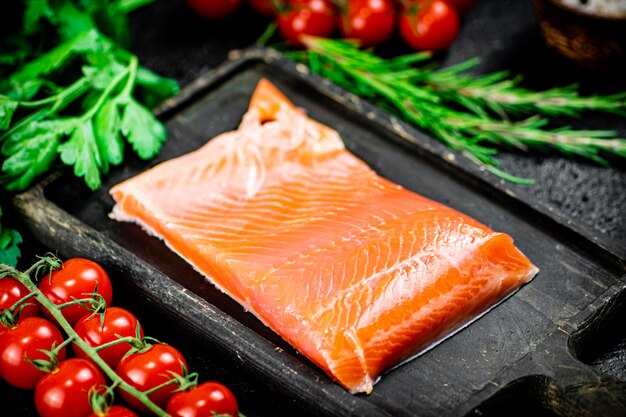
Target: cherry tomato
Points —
{"points": [[214, 9], [369, 21], [65, 392], [11, 291], [76, 279], [306, 17], [463, 6], [205, 400], [148, 369], [26, 339], [117, 322], [115, 411], [429, 24], [263, 7]]}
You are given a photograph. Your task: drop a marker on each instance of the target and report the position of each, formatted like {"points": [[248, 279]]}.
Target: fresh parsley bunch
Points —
{"points": [[70, 91]]}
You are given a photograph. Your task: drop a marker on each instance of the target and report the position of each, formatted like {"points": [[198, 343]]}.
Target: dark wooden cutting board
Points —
{"points": [[525, 351]]}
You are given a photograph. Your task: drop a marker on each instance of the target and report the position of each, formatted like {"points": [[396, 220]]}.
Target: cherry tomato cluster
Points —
{"points": [[33, 352], [423, 24]]}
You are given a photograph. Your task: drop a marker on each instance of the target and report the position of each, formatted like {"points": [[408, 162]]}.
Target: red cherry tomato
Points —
{"points": [[115, 411], [214, 9], [463, 6], [263, 7], [117, 322], [146, 370], [26, 339], [11, 291], [306, 17], [65, 392], [76, 279], [429, 24], [369, 21], [205, 400]]}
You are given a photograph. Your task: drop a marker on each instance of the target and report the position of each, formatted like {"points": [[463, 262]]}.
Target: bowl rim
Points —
{"points": [[574, 10]]}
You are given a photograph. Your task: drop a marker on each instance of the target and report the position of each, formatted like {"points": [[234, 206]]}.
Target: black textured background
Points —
{"points": [[174, 42]]}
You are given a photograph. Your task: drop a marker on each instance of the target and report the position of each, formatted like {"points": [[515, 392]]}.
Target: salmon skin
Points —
{"points": [[356, 272]]}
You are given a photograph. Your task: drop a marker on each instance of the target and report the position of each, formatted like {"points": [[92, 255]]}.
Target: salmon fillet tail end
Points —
{"points": [[356, 272], [414, 312]]}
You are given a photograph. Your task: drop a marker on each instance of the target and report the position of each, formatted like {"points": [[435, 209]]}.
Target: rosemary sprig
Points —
{"points": [[400, 87], [500, 93]]}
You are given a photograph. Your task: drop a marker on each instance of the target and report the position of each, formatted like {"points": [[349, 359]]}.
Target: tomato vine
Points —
{"points": [[50, 263]]}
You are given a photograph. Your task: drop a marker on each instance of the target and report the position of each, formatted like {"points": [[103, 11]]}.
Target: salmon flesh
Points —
{"points": [[356, 272]]}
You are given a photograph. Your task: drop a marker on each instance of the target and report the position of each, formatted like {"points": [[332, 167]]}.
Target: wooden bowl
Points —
{"points": [[594, 41]]}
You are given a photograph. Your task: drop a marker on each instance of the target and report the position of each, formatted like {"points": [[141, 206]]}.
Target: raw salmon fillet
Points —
{"points": [[356, 272]]}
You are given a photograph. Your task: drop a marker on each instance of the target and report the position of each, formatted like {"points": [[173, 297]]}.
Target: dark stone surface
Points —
{"points": [[173, 41]]}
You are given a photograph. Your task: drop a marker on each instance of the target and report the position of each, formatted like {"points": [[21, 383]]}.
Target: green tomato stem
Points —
{"points": [[7, 320], [80, 301], [9, 317], [163, 385], [91, 352], [66, 342], [267, 34], [127, 339], [21, 301]]}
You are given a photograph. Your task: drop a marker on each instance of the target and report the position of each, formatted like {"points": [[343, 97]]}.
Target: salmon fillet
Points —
{"points": [[356, 272]]}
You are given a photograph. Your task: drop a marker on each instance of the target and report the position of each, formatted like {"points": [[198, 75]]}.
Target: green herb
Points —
{"points": [[77, 96], [9, 244], [89, 137], [500, 93], [434, 101]]}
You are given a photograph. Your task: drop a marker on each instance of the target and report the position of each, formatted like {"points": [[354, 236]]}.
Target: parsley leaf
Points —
{"points": [[107, 129], [72, 21], [144, 132], [82, 152], [113, 22], [54, 59], [7, 108], [101, 77], [9, 241], [155, 87], [31, 151], [9, 246], [34, 12]]}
